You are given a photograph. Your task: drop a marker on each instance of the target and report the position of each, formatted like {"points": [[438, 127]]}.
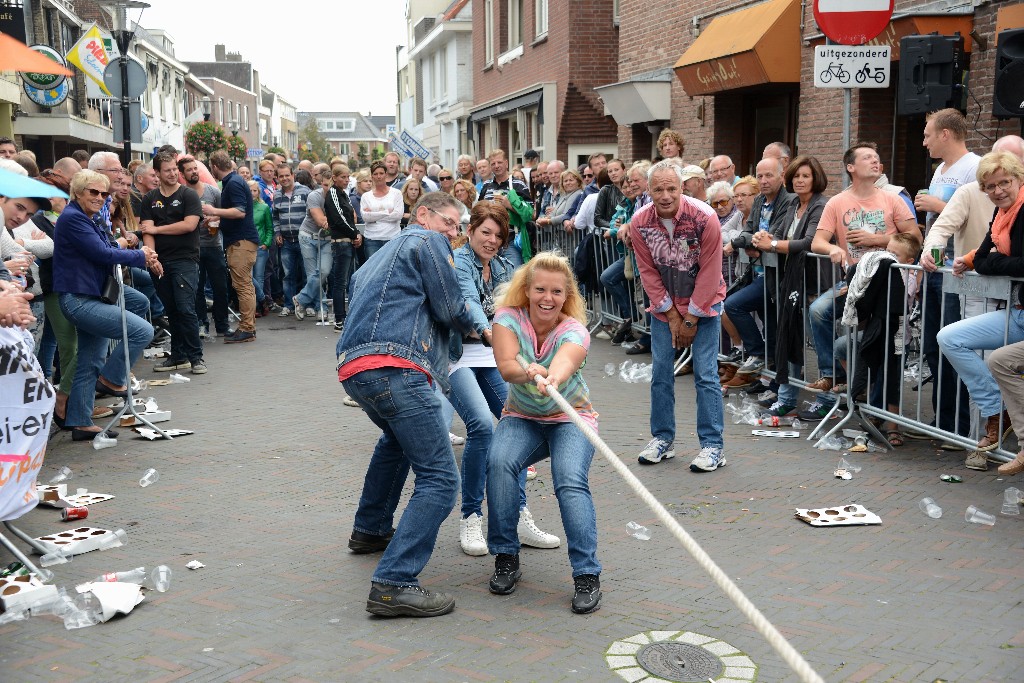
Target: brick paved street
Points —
{"points": [[265, 491]]}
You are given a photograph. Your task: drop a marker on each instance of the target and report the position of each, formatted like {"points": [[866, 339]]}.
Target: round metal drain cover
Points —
{"points": [[680, 662]]}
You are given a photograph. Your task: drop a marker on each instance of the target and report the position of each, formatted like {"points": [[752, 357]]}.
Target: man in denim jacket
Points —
{"points": [[403, 307]]}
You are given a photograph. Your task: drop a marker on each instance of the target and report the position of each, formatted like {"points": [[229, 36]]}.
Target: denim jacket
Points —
{"points": [[405, 302], [470, 272]]}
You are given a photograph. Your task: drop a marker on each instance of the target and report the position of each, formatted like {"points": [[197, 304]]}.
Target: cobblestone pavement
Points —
{"points": [[265, 491]]}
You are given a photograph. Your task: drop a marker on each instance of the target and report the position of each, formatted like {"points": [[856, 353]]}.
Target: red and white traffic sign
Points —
{"points": [[852, 22]]}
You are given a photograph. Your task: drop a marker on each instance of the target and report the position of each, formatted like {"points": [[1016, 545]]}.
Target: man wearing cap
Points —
{"points": [[530, 161], [694, 184]]}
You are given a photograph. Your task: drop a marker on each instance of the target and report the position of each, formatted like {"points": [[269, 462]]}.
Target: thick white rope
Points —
{"points": [[788, 653]]}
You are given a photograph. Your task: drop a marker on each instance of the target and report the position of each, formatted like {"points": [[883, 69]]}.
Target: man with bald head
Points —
{"points": [[305, 165], [780, 151], [722, 168]]}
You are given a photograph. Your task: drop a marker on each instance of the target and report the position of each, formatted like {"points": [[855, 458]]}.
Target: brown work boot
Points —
{"points": [[823, 384], [740, 380], [726, 373], [1015, 466], [992, 434]]}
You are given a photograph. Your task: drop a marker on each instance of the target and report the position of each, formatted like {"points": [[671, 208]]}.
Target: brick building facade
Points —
{"points": [[744, 91], [535, 67]]}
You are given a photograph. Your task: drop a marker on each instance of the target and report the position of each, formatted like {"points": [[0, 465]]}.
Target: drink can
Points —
{"points": [[937, 255], [70, 514]]}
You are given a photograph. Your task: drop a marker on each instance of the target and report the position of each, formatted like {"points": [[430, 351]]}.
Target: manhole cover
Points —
{"points": [[680, 662]]}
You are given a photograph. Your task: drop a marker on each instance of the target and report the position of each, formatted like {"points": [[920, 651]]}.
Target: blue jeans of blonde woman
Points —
{"points": [[961, 342], [478, 395], [519, 443], [97, 323]]}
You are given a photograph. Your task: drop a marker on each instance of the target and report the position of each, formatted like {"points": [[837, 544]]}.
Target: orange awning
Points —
{"points": [[759, 44], [16, 56]]}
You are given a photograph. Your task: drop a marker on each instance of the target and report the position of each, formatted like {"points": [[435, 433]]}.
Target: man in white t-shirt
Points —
{"points": [[944, 134]]}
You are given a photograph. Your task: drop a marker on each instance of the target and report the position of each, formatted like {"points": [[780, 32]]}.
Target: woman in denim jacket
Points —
{"points": [[478, 391]]}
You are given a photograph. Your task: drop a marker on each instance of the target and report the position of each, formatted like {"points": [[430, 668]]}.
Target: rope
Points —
{"points": [[782, 646]]}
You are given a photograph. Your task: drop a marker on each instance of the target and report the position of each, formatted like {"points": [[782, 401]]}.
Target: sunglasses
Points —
{"points": [[588, 175], [97, 193], [720, 203], [444, 178]]}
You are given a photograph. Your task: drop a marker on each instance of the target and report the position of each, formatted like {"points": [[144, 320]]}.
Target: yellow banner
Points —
{"points": [[89, 55]]}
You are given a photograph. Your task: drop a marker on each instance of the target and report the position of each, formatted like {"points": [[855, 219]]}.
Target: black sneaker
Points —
{"points": [[239, 337], [733, 358], [339, 327], [506, 574], [587, 596], [361, 544], [756, 388], [816, 411], [170, 365], [407, 601], [622, 332]]}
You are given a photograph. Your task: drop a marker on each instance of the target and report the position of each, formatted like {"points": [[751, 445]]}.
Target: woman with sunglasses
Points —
{"points": [[83, 259]]}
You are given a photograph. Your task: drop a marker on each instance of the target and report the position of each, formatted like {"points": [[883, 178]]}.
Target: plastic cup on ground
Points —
{"points": [[976, 516], [1011, 501], [638, 531], [149, 477], [63, 474], [930, 507], [115, 539]]}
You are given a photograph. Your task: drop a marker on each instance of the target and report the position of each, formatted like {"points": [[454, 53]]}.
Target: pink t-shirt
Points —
{"points": [[878, 214]]}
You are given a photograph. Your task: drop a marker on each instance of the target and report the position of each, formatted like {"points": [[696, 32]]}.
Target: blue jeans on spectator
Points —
{"points": [[403, 404], [789, 394], [478, 395], [940, 311], [519, 443], [960, 343], [213, 271], [823, 331], [613, 278], [178, 287], [741, 308], [97, 323], [47, 348], [710, 421], [513, 254], [371, 247], [341, 271], [142, 281], [259, 273], [317, 258], [291, 257]]}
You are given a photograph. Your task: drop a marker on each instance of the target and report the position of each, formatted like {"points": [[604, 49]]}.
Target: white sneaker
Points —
{"points": [[655, 451], [299, 313], [471, 535], [310, 312], [531, 473], [530, 535], [285, 312], [456, 439], [708, 460]]}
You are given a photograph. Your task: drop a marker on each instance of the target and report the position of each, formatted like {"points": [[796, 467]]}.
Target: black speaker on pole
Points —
{"points": [[1008, 94], [931, 74]]}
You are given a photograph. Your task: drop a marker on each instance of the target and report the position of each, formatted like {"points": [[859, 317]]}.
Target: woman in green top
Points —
{"points": [[265, 226]]}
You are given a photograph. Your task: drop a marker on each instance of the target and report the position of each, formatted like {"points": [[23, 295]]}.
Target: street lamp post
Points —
{"points": [[206, 104], [123, 36], [234, 127]]}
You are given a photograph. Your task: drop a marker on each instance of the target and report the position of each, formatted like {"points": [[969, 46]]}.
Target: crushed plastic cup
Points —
{"points": [[63, 474], [638, 532], [115, 539], [103, 441], [833, 443], [846, 465], [930, 507], [160, 578], [178, 378], [44, 575], [797, 424], [151, 405], [609, 369], [1011, 501], [149, 477], [976, 516], [58, 556]]}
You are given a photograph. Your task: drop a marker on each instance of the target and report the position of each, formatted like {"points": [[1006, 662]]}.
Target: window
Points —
{"points": [[263, 131], [220, 100], [346, 125], [515, 23], [238, 114], [343, 148], [540, 14], [246, 120], [443, 72], [488, 31]]}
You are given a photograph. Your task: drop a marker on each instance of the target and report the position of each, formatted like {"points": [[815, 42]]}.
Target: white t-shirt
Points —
{"points": [[474, 356], [946, 180]]}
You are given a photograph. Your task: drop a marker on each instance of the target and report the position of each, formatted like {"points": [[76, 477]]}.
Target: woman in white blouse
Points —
{"points": [[381, 209]]}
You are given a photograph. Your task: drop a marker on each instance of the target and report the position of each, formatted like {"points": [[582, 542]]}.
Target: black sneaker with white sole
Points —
{"points": [[506, 574], [586, 597], [407, 601]]}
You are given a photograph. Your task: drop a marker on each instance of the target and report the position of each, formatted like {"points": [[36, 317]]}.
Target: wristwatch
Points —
{"points": [[689, 323], [775, 243]]}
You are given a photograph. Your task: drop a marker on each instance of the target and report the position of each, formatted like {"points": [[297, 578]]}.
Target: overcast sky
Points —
{"points": [[337, 56]]}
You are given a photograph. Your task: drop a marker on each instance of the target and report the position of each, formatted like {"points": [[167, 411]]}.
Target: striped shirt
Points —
{"points": [[289, 212], [525, 400]]}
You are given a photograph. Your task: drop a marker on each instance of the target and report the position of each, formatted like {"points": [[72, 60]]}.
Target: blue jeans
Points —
{"points": [[344, 258], [371, 247], [519, 443], [291, 257], [142, 281], [259, 272], [317, 258], [512, 253], [178, 289], [710, 421], [823, 330], [960, 343], [741, 308], [478, 394], [213, 274], [941, 310], [97, 323], [403, 404], [613, 278], [47, 348], [789, 394]]}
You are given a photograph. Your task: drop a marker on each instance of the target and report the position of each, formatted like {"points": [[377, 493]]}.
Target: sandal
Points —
{"points": [[894, 437]]}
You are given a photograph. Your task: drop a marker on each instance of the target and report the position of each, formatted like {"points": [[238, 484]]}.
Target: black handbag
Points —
{"points": [[111, 290]]}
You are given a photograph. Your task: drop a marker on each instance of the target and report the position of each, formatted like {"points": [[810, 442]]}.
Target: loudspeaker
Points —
{"points": [[1008, 94], [931, 74]]}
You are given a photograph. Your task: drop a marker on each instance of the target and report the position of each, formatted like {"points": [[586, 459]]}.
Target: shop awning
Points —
{"points": [[508, 106], [643, 98], [759, 44]]}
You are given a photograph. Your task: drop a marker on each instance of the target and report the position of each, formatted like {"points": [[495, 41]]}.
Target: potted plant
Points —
{"points": [[204, 138]]}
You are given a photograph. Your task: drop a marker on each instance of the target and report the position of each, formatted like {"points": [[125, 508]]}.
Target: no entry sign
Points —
{"points": [[852, 22]]}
